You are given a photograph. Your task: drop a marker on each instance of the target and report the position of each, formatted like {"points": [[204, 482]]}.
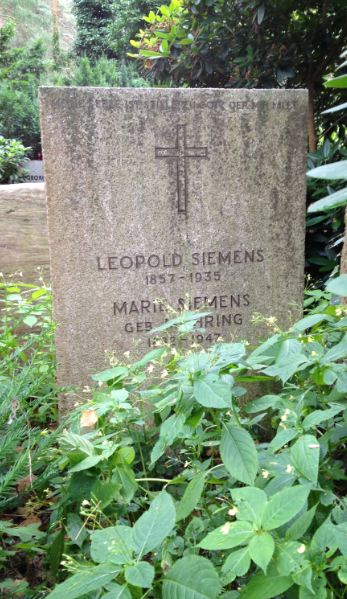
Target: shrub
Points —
{"points": [[219, 498], [12, 160]]}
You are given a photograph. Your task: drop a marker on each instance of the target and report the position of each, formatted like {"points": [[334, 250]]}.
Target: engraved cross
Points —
{"points": [[181, 153]]}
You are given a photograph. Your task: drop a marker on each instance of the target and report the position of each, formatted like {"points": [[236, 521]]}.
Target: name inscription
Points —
{"points": [[162, 270]]}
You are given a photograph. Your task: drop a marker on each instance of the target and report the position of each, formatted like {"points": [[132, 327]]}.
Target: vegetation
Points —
{"points": [[12, 161], [223, 43], [251, 493]]}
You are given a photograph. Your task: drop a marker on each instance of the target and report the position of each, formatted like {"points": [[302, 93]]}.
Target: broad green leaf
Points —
{"points": [[169, 431], [336, 170], [319, 416], [211, 392], [30, 320], [236, 564], [289, 558], [152, 356], [192, 577], [266, 586], [118, 592], [263, 403], [337, 352], [87, 463], [303, 577], [338, 286], [124, 476], [261, 548], [330, 202], [309, 321], [113, 544], [110, 374], [239, 453], [250, 503], [76, 529], [228, 536], [286, 366], [301, 525], [305, 457], [140, 575], [337, 82], [191, 496], [84, 582], [155, 524], [284, 505], [325, 537], [282, 438]]}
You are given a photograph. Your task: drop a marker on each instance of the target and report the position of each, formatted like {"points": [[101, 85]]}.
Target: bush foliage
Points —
{"points": [[168, 482]]}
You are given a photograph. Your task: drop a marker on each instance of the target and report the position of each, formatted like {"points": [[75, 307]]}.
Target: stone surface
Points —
{"points": [[23, 225], [158, 193]]}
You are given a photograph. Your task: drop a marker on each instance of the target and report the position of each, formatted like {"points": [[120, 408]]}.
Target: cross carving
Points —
{"points": [[181, 153]]}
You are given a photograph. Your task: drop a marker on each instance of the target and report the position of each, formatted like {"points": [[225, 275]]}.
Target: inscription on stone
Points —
{"points": [[166, 199]]}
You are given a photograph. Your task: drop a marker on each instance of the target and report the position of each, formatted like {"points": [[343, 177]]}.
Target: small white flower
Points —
{"points": [[289, 469], [150, 368], [225, 529], [85, 502], [265, 474], [338, 312], [284, 417], [233, 511], [126, 354], [173, 351], [301, 549], [164, 374], [186, 464], [313, 353]]}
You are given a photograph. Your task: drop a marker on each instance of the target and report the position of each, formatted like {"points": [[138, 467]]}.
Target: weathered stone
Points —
{"points": [[158, 193], [23, 225]]}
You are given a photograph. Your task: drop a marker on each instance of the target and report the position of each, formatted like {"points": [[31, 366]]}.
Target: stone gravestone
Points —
{"points": [[159, 195]]}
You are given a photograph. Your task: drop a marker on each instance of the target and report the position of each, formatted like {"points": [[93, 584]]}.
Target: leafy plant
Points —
{"points": [[13, 156], [223, 498]]}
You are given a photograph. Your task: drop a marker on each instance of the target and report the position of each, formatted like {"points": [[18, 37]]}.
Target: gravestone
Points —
{"points": [[171, 197]]}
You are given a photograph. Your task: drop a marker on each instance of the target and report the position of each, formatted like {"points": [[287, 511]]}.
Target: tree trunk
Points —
{"points": [[311, 130]]}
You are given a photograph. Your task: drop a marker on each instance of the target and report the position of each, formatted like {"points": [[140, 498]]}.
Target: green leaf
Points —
{"points": [[284, 505], [325, 536], [84, 582], [211, 392], [155, 524], [288, 558], [262, 403], [76, 530], [336, 170], [330, 202], [301, 525], [337, 82], [282, 438], [113, 544], [30, 320], [228, 536], [118, 592], [169, 431], [110, 374], [191, 496], [140, 575], [337, 352], [87, 463], [192, 577], [236, 564], [239, 453], [319, 416], [250, 503], [305, 457], [338, 286], [261, 548], [266, 586], [309, 321]]}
